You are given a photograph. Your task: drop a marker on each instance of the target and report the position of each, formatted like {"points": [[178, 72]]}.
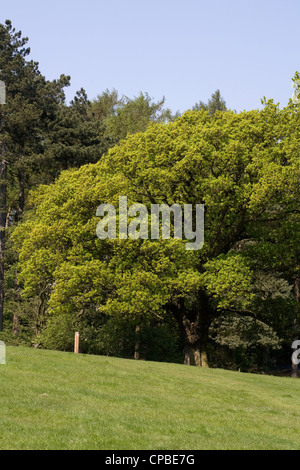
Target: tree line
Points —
{"points": [[234, 303]]}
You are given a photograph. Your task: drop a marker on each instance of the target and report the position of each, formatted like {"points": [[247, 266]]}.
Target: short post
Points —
{"points": [[76, 343]]}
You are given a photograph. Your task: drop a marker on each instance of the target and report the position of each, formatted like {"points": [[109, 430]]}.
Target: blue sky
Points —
{"points": [[183, 50]]}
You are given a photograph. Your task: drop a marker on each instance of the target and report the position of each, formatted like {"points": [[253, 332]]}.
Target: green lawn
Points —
{"points": [[55, 400]]}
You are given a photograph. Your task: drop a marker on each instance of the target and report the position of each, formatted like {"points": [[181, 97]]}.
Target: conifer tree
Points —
{"points": [[31, 104], [214, 104]]}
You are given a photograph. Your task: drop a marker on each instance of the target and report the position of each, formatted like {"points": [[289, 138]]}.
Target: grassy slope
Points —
{"points": [[55, 400]]}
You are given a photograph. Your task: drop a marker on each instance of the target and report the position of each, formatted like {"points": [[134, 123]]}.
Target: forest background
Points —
{"points": [[234, 304]]}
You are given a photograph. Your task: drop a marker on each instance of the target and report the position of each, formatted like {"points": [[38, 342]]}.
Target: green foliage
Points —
{"points": [[235, 331], [21, 321], [214, 104], [244, 168], [122, 116], [229, 280], [58, 333], [161, 343], [32, 105], [230, 162], [77, 136]]}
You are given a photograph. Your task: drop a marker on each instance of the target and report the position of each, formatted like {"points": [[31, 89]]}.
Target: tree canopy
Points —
{"points": [[236, 298], [243, 167]]}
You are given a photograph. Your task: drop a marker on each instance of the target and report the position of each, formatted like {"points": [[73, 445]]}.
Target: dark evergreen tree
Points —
{"points": [[31, 105], [214, 104]]}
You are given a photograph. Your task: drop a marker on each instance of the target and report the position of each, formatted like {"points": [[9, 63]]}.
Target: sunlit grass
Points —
{"points": [[55, 400]]}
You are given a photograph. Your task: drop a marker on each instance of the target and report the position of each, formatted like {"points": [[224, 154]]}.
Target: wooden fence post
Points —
{"points": [[76, 344]]}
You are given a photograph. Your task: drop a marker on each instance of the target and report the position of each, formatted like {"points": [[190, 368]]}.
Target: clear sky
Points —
{"points": [[181, 49]]}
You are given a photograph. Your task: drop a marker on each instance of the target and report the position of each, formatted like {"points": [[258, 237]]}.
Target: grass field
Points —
{"points": [[55, 400]]}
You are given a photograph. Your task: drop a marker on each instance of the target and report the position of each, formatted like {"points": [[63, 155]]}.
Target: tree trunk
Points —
{"points": [[3, 165], [195, 330], [39, 321], [137, 343], [188, 355], [16, 319], [16, 325], [295, 370], [195, 343], [21, 202], [200, 355]]}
